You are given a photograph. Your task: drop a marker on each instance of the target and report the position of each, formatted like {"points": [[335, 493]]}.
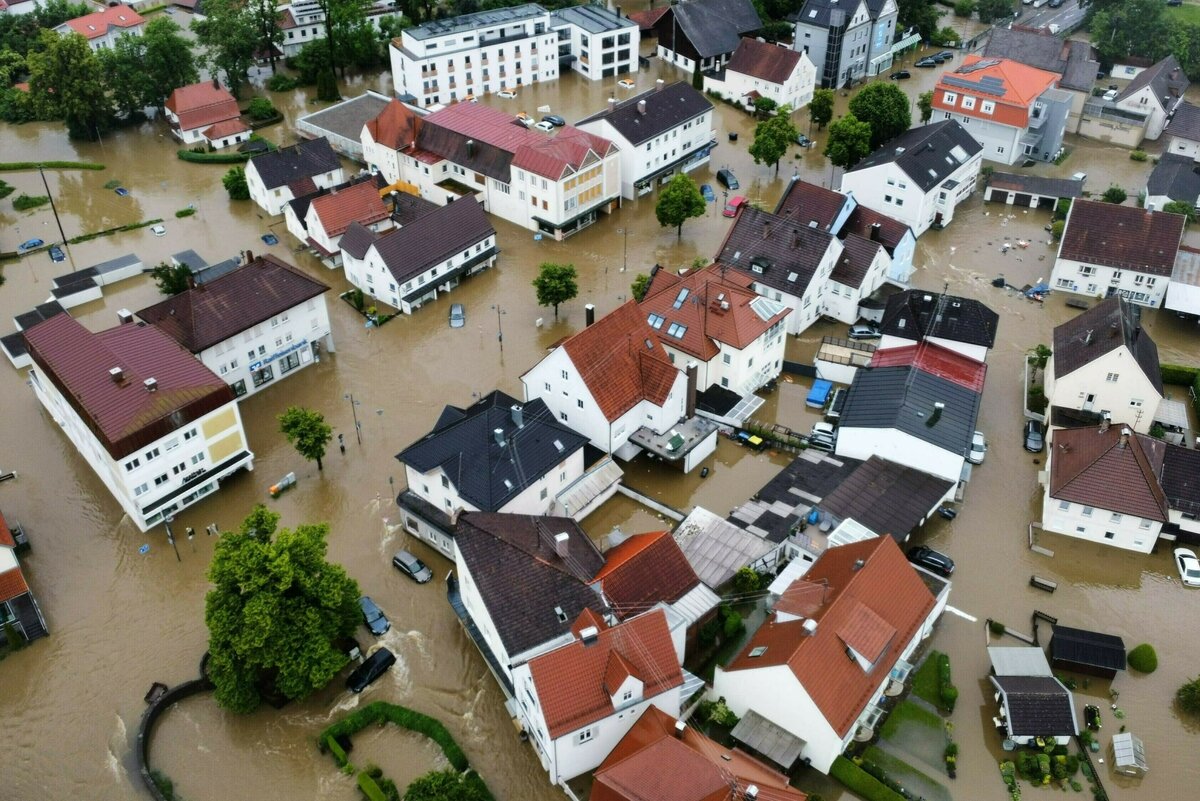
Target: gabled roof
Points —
{"points": [[714, 26], [1185, 122], [621, 362], [864, 222], [1176, 176], [395, 127], [644, 570], [1166, 79], [804, 203], [888, 498], [711, 308], [125, 415], [1181, 479], [1108, 470], [917, 314], [357, 203], [1011, 86], [653, 763], [1124, 237], [225, 128], [1037, 706], [95, 25], [858, 254], [1037, 184], [570, 680], [1071, 59], [825, 13], [200, 105], [532, 594], [875, 596], [292, 165], [1084, 647], [1108, 325], [786, 252], [768, 62], [927, 154], [934, 360], [665, 109], [432, 238], [202, 316], [485, 473]]}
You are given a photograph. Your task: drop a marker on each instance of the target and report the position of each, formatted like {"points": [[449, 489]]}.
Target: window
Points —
{"points": [[725, 382], [239, 388], [726, 358], [1087, 511], [141, 489], [1064, 506], [1112, 378], [655, 320], [586, 735], [1143, 523], [160, 480], [189, 434], [1135, 402], [968, 103], [1110, 535], [676, 330], [949, 98], [132, 464], [562, 416], [445, 482], [564, 375], [547, 385], [987, 107], [542, 494], [150, 454]]}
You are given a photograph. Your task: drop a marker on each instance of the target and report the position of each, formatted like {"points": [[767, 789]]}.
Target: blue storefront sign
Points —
{"points": [[279, 354]]}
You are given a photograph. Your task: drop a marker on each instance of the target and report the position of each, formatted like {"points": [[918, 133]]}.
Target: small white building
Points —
{"points": [[103, 28], [1109, 250], [160, 429], [1183, 291], [319, 220], [602, 41], [206, 113], [279, 176], [920, 177], [1183, 131], [658, 134], [704, 32], [962, 325], [1173, 179], [760, 69], [1155, 93], [1032, 702], [252, 325]]}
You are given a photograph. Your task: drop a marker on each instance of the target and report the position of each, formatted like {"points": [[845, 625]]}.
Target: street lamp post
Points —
{"points": [[167, 521], [354, 411], [624, 232], [499, 327]]}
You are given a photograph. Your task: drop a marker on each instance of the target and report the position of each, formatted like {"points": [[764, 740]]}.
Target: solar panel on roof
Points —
{"points": [[993, 87]]}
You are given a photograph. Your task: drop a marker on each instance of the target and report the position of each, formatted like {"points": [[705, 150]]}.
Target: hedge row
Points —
{"points": [[118, 229], [213, 158], [369, 788], [380, 712], [862, 783], [8, 166]]}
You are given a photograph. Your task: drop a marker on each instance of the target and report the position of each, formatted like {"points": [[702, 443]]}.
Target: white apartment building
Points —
{"points": [[280, 176]]}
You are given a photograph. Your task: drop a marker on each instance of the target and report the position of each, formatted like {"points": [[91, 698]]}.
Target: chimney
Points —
{"points": [[470, 148], [612, 103], [858, 565], [117, 375], [692, 373], [589, 635], [795, 238], [875, 229], [1105, 422], [659, 84], [499, 434], [766, 230], [589, 314], [124, 316], [641, 107], [680, 728], [216, 83], [751, 792], [518, 415], [250, 257], [810, 626], [562, 543], [1124, 438], [151, 384]]}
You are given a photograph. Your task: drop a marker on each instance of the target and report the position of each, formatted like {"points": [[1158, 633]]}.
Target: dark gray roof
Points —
{"points": [[475, 21], [1185, 122], [1166, 79], [777, 507], [1181, 479], [303, 160], [1082, 647], [1101, 329], [857, 255], [406, 209], [666, 108], [916, 314], [347, 118], [825, 13], [1037, 184], [714, 27], [521, 578], [591, 18], [433, 238], [1037, 706], [487, 474], [903, 398], [886, 497], [926, 153], [1071, 59], [786, 252], [1177, 177], [357, 240]]}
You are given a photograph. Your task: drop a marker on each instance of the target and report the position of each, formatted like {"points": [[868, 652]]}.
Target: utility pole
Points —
{"points": [[52, 206]]}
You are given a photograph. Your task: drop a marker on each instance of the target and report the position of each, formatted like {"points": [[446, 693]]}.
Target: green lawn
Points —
{"points": [[1184, 13], [914, 781], [908, 715], [925, 680]]}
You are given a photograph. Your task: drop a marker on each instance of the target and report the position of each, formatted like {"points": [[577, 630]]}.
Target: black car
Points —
{"points": [[804, 141], [900, 75], [408, 564], [56, 253], [1034, 440], [727, 179], [930, 559], [928, 61], [372, 668], [373, 616], [554, 120], [945, 55]]}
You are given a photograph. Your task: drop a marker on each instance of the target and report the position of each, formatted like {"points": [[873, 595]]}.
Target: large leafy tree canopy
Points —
{"points": [[885, 108], [276, 612], [66, 81], [678, 201], [230, 37], [849, 141], [555, 284], [772, 137]]}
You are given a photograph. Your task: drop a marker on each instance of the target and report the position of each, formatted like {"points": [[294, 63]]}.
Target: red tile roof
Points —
{"points": [[200, 105], [653, 763], [395, 127], [12, 584], [804, 203], [620, 363], [767, 62], [865, 632], [93, 26], [936, 360], [225, 128], [646, 19], [359, 203], [587, 619], [873, 574], [1123, 237], [6, 535], [126, 415], [1022, 85], [644, 570], [802, 598], [1091, 467], [570, 680]]}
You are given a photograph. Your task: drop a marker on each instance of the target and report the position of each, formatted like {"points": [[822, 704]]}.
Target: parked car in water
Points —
{"points": [[928, 61], [864, 331], [900, 75], [507, 95], [707, 192], [458, 315], [978, 448], [930, 559], [1188, 566], [29, 244], [945, 55], [158, 230], [554, 120], [373, 616], [727, 179], [733, 206], [408, 564], [372, 668], [1034, 441], [804, 141], [56, 253], [544, 125]]}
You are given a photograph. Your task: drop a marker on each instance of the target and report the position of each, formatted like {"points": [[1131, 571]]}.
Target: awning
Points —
{"points": [[580, 493], [1172, 414], [774, 742]]}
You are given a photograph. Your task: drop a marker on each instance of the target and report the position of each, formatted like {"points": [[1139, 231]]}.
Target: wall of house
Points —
{"points": [[1111, 383], [814, 43], [806, 308], [261, 355], [1098, 525], [1184, 147], [428, 533], [605, 54], [478, 611], [1187, 522], [639, 163], [796, 91], [1144, 102], [272, 201], [883, 33], [903, 200], [901, 448], [381, 157], [741, 371], [1097, 280], [841, 301]]}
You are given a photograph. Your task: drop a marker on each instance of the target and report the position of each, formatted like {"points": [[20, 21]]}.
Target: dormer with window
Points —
{"points": [[620, 683]]}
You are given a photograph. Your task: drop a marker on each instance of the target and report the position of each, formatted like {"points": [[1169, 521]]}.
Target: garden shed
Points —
{"points": [[1089, 652], [1129, 755]]}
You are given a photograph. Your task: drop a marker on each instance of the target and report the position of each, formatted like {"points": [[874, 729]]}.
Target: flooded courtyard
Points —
{"points": [[121, 620]]}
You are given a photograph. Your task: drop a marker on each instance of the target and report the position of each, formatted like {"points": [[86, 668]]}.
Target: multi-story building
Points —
{"points": [[103, 28], [1154, 94], [206, 113], [1072, 60], [319, 220], [660, 133], [704, 32], [846, 39], [159, 428], [279, 176], [303, 21], [598, 43], [760, 69]]}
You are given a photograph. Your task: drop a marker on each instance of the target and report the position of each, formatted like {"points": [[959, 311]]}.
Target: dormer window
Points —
{"points": [[949, 98]]}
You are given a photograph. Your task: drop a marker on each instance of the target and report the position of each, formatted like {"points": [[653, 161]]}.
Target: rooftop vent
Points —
{"points": [[641, 107], [470, 148], [151, 384], [659, 84], [859, 564], [498, 433], [680, 728], [508, 485], [562, 542], [518, 415], [751, 792], [560, 614], [589, 635], [117, 375], [124, 316], [810, 626]]}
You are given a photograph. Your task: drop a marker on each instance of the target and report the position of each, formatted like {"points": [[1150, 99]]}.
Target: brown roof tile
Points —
{"points": [[12, 584], [226, 128], [1092, 467], [804, 203], [219, 309], [93, 26], [6, 535], [887, 585], [395, 127], [358, 203], [767, 62], [858, 254], [1100, 330], [865, 632], [200, 105], [786, 251], [644, 570], [1123, 237]]}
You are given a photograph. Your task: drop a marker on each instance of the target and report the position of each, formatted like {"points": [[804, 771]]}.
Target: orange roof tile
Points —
{"points": [[395, 127], [226, 128], [12, 584], [358, 203], [802, 598], [6, 535], [570, 680], [1021, 84], [865, 632], [93, 26], [936, 360], [616, 672], [586, 619], [644, 570], [200, 105], [873, 574]]}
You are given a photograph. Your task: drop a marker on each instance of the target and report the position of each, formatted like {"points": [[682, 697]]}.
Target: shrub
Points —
{"points": [[951, 750], [281, 83], [1143, 659], [1189, 696], [949, 695], [235, 184], [720, 714], [335, 748], [166, 788], [746, 581], [261, 109], [369, 788], [996, 627], [24, 202], [1114, 194], [709, 632], [964, 8], [6, 189], [1056, 229], [733, 625], [862, 783], [184, 213], [1137, 155], [1179, 375], [381, 712], [1062, 207], [9, 166]]}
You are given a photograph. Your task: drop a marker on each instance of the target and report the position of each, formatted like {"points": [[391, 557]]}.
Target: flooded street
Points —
{"points": [[120, 620]]}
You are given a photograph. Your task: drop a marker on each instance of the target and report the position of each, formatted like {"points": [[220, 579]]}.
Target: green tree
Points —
{"points": [[1130, 28], [307, 431], [965, 8], [946, 37], [229, 38], [121, 66], [260, 108], [1114, 194], [679, 200], [849, 141], [1179, 207], [640, 284], [235, 184], [925, 104], [763, 106], [443, 785], [884, 107], [697, 78], [66, 81], [276, 612], [264, 16], [992, 10], [820, 108], [746, 581], [555, 284], [12, 66], [772, 137], [168, 60], [919, 14], [1143, 658], [1189, 696], [171, 279]]}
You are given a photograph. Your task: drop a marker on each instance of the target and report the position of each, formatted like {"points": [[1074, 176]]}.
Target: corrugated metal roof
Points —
{"points": [[1019, 661]]}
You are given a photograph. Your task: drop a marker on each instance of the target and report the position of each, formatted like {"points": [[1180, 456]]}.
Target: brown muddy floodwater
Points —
{"points": [[120, 620]]}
